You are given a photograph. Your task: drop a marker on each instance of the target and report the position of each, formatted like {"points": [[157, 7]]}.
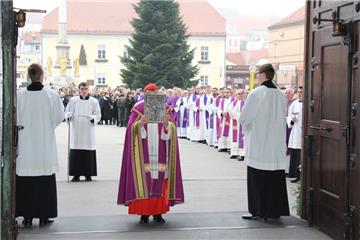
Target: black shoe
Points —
{"points": [[295, 180], [223, 150], [159, 219], [45, 221], [233, 157], [242, 158], [75, 179], [249, 217], [88, 179], [27, 221], [144, 219]]}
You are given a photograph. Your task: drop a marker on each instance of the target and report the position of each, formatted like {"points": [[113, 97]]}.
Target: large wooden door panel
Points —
{"points": [[328, 118]]}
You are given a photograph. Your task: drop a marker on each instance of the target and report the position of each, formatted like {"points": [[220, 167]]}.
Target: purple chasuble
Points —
{"points": [[135, 176]]}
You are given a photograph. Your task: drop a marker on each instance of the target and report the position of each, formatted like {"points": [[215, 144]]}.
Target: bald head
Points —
{"points": [[289, 93]]}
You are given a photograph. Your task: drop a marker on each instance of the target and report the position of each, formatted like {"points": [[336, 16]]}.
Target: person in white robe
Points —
{"points": [[224, 141], [237, 144], [190, 107], [264, 121], [294, 121], [39, 111], [289, 95], [83, 113], [183, 114], [216, 109], [210, 126], [198, 133]]}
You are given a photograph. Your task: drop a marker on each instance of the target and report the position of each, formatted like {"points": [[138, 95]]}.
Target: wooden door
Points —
{"points": [[355, 139], [327, 124]]}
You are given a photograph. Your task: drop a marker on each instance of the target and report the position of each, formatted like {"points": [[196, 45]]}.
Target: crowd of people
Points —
{"points": [[115, 104]]}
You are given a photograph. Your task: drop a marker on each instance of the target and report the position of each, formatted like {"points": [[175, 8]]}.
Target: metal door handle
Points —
{"points": [[321, 128]]}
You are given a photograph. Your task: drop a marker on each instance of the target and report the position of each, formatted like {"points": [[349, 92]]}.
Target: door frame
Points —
{"points": [[8, 154]]}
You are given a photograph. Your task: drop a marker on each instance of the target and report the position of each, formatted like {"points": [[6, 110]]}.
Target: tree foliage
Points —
{"points": [[158, 51]]}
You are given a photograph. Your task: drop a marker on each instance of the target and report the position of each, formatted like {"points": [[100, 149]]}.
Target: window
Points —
{"points": [[101, 52], [37, 47], [204, 53], [101, 79], [204, 81]]}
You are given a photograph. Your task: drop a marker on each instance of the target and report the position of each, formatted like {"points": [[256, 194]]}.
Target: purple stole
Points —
{"points": [[178, 117], [187, 119], [197, 114], [227, 120], [206, 112], [185, 122], [234, 125], [211, 115], [241, 134], [193, 100], [218, 123]]}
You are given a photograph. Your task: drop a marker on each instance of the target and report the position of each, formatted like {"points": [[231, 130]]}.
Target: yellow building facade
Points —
{"points": [[286, 49], [114, 46], [105, 41], [28, 52]]}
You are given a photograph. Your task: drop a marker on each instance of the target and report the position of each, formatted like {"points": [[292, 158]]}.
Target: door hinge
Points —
{"points": [[346, 133], [352, 160], [315, 64], [348, 222], [354, 110], [16, 134], [312, 105], [347, 40], [355, 60]]}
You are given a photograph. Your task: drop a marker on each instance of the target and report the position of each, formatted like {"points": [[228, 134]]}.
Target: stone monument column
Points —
{"points": [[63, 63]]}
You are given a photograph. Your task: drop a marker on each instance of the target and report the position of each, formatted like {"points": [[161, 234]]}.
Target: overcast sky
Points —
{"points": [[278, 8]]}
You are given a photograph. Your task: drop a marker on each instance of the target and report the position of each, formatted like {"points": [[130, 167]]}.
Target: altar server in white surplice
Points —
{"points": [[39, 112], [294, 121], [83, 112]]}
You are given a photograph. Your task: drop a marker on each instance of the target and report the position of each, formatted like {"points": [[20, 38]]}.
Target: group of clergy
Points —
{"points": [[210, 116]]}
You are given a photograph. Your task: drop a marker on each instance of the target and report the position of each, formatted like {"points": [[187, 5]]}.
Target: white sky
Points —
{"points": [[278, 8]]}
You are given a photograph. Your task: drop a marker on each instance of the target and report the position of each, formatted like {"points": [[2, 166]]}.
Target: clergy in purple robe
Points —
{"points": [[150, 178]]}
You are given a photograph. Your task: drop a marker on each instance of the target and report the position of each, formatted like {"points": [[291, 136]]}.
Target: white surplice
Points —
{"points": [[39, 113], [81, 112], [224, 141], [264, 120], [296, 131]]}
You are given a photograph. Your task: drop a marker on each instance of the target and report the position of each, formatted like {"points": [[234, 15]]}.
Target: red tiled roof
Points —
{"points": [[236, 58], [113, 17], [30, 36], [247, 57], [297, 16]]}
